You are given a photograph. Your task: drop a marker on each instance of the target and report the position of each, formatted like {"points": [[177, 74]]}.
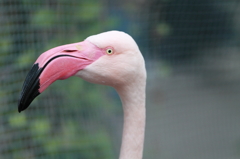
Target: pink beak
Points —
{"points": [[56, 64]]}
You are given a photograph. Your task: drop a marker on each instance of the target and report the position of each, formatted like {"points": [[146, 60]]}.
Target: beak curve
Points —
{"points": [[58, 63]]}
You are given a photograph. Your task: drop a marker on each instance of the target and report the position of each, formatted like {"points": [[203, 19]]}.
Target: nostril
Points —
{"points": [[70, 50]]}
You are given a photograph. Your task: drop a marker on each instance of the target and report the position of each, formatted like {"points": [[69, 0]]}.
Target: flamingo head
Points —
{"points": [[110, 58]]}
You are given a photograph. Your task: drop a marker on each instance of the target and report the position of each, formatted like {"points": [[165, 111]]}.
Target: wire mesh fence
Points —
{"points": [[192, 57]]}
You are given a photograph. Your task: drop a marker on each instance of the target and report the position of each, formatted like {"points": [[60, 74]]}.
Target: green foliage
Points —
{"points": [[18, 120], [163, 29], [90, 11], [25, 59], [43, 18]]}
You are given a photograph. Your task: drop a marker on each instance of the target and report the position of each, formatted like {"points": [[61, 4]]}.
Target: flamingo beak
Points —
{"points": [[58, 63]]}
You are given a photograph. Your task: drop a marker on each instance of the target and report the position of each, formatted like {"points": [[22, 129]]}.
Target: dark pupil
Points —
{"points": [[109, 51]]}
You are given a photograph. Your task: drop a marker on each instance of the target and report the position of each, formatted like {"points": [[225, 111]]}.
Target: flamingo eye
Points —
{"points": [[109, 51]]}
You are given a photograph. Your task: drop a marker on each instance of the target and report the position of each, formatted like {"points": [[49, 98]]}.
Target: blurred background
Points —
{"points": [[192, 53]]}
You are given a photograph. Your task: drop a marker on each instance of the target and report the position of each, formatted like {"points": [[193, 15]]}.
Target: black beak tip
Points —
{"points": [[25, 102], [30, 88], [20, 108]]}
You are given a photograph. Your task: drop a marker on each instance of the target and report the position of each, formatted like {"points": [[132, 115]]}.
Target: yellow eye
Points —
{"points": [[109, 51]]}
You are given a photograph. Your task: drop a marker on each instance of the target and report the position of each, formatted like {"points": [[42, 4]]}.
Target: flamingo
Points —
{"points": [[110, 58]]}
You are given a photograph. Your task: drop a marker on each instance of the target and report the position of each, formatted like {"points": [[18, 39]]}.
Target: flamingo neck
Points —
{"points": [[133, 100]]}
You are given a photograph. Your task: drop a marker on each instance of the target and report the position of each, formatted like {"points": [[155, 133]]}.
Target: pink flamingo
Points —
{"points": [[110, 58]]}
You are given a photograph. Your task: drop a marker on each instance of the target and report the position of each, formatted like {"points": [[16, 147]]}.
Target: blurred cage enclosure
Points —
{"points": [[192, 52]]}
